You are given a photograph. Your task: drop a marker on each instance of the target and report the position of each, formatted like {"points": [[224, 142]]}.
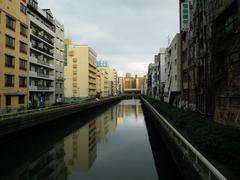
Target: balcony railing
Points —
{"points": [[47, 51], [43, 37], [43, 75], [43, 88], [43, 62]]}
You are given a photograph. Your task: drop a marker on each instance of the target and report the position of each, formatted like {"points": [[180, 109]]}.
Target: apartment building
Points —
{"points": [[172, 90], [153, 80], [59, 61], [14, 55], [42, 60], [80, 71], [112, 80], [104, 84]]}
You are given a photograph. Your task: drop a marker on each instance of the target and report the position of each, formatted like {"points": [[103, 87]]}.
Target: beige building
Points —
{"points": [[98, 82], [80, 71], [14, 55], [112, 80], [128, 84], [104, 85]]}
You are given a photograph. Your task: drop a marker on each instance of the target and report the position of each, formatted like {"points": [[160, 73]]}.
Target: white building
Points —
{"points": [[172, 89], [44, 55], [59, 61]]}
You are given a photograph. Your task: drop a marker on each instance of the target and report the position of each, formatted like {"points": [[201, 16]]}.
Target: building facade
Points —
{"points": [[172, 90], [14, 54], [112, 80], [210, 59], [104, 84], [59, 61], [80, 71], [130, 84], [41, 60]]}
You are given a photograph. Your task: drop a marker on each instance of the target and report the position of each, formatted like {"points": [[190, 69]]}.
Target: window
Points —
{"points": [[10, 42], [21, 99], [23, 8], [22, 81], [23, 47], [9, 80], [74, 72], [10, 23], [229, 24], [71, 53], [9, 61], [8, 101], [22, 64], [23, 30]]}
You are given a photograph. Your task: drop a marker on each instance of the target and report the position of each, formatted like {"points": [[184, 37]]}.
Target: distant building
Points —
{"points": [[156, 76], [130, 84], [172, 90], [80, 71], [104, 82], [144, 85], [112, 80]]}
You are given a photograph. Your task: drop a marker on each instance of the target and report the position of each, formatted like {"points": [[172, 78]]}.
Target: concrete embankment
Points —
{"points": [[21, 121], [191, 163]]}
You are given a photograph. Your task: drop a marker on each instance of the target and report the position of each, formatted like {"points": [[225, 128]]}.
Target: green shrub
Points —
{"points": [[220, 143]]}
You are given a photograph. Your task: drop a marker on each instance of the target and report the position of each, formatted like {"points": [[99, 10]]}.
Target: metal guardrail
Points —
{"points": [[47, 109], [200, 162], [16, 114]]}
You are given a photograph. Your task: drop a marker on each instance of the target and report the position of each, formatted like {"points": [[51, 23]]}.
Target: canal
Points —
{"points": [[114, 143]]}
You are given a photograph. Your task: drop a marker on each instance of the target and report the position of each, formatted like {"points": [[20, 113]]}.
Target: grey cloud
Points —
{"points": [[121, 31]]}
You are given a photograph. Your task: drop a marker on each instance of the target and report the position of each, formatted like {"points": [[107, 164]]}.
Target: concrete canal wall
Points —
{"points": [[191, 163], [17, 122]]}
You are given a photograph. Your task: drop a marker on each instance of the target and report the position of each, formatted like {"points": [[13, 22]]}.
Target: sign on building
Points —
{"points": [[102, 64], [185, 16]]}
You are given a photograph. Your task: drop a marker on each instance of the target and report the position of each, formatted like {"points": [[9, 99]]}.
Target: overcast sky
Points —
{"points": [[126, 33]]}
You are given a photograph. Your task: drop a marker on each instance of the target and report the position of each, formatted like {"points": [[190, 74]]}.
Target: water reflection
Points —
{"points": [[117, 140], [113, 145]]}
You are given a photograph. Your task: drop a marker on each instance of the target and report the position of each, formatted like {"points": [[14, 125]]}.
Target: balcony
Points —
{"points": [[41, 88], [43, 75], [40, 75], [60, 78], [42, 37], [40, 61], [42, 50]]}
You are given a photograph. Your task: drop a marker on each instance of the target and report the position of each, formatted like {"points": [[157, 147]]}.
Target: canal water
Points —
{"points": [[112, 144]]}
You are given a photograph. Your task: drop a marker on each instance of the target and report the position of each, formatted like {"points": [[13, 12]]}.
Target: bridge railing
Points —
{"points": [[204, 167]]}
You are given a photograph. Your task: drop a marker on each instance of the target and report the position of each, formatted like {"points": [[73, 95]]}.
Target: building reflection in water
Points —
{"points": [[126, 109], [78, 151], [80, 148], [48, 166]]}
